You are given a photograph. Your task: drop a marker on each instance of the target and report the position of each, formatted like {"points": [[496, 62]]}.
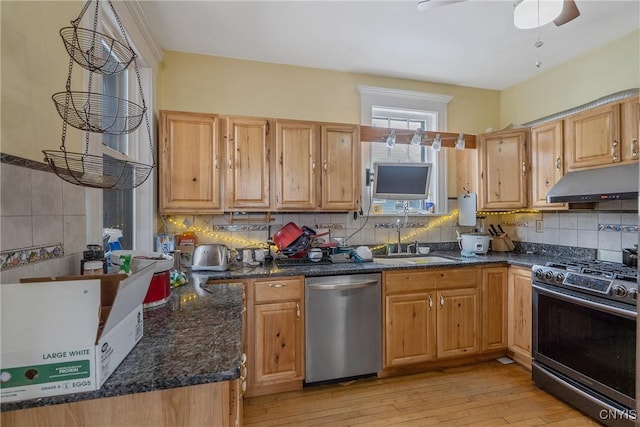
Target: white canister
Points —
{"points": [[261, 254], [247, 255]]}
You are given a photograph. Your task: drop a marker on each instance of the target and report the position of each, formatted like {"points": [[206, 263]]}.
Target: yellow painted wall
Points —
{"points": [[602, 71], [34, 67], [191, 82]]}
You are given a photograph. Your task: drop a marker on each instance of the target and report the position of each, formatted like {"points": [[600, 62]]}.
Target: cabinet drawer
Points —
{"points": [[409, 281], [278, 289], [458, 278]]}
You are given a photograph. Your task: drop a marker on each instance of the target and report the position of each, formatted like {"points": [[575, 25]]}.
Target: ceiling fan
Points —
{"points": [[568, 11]]}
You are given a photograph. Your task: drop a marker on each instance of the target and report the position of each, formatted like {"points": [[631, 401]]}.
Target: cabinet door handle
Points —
{"points": [[230, 165], [313, 165], [325, 167], [524, 168], [614, 150], [441, 301], [277, 285], [298, 311], [430, 302], [558, 163], [634, 148]]}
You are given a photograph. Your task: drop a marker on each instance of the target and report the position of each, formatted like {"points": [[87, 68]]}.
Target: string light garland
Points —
{"points": [[242, 242]]}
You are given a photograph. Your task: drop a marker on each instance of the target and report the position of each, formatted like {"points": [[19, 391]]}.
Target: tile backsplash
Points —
{"points": [[42, 222], [613, 226]]}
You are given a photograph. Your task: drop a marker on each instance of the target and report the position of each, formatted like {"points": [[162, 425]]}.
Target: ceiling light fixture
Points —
{"points": [[536, 13], [416, 139], [436, 145], [391, 139], [460, 142], [430, 4]]}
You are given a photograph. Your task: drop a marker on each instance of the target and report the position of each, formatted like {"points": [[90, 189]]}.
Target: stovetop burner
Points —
{"points": [[605, 279], [596, 267]]}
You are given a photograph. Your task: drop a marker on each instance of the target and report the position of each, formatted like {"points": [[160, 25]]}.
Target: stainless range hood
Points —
{"points": [[597, 185]]}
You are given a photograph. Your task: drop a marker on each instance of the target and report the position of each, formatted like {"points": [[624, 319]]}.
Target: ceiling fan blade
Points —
{"points": [[430, 4], [569, 13]]}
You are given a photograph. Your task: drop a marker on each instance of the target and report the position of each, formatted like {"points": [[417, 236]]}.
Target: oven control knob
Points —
{"points": [[633, 293], [538, 273], [559, 277], [548, 275], [619, 290]]}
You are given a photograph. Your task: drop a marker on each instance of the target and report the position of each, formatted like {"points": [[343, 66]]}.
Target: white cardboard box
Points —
{"points": [[68, 334]]}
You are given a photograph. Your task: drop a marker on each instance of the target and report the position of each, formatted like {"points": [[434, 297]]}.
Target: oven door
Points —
{"points": [[592, 343]]}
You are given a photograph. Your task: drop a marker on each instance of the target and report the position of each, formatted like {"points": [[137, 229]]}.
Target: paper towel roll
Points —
{"points": [[467, 207]]}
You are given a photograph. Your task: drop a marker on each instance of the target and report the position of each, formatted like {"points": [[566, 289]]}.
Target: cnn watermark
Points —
{"points": [[618, 414]]}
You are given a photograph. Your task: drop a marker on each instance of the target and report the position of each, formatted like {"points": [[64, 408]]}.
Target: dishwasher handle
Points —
{"points": [[355, 285]]}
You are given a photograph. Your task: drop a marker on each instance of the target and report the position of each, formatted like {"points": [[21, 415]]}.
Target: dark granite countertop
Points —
{"points": [[239, 271], [198, 342]]}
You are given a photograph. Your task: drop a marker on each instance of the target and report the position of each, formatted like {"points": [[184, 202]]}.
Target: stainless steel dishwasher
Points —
{"points": [[343, 326]]}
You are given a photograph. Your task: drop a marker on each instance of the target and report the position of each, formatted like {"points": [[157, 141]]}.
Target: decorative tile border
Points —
{"points": [[20, 257], [402, 225], [618, 228], [26, 163], [330, 226]]}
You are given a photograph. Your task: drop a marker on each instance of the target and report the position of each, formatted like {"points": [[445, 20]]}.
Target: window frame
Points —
{"points": [[143, 204], [411, 102]]}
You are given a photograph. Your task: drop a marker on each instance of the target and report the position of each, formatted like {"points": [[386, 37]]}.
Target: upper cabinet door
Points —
{"points": [[503, 169], [630, 129], [340, 167], [592, 137], [189, 156], [248, 150], [547, 162], [297, 165]]}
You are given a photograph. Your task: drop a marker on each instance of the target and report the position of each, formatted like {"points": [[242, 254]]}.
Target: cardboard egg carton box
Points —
{"points": [[68, 334]]}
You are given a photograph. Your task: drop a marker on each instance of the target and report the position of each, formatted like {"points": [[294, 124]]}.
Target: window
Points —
{"points": [[405, 110], [132, 210]]}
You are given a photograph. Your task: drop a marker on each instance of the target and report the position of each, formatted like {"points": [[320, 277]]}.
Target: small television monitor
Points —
{"points": [[401, 181]]}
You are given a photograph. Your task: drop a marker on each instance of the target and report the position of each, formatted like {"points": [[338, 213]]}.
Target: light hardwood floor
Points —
{"points": [[486, 394]]}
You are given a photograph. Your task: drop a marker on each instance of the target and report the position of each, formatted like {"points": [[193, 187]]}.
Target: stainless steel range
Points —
{"points": [[584, 336]]}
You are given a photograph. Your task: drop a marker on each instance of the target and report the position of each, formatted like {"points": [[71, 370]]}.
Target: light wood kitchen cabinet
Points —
{"points": [[297, 165], [458, 322], [248, 150], [214, 404], [592, 137], [547, 162], [503, 170], [276, 335], [340, 167], [189, 172], [410, 321], [630, 129], [494, 308], [430, 315], [519, 315]]}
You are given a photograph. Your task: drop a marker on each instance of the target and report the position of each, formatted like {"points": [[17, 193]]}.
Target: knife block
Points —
{"points": [[502, 243]]}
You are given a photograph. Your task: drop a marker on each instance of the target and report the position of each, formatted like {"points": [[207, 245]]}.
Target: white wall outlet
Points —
{"points": [[538, 226]]}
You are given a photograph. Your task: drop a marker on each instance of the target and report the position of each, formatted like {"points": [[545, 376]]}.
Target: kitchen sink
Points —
{"points": [[416, 260]]}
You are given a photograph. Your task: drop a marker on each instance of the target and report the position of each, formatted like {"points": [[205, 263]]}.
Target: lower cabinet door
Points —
{"points": [[278, 342], [409, 329], [458, 322]]}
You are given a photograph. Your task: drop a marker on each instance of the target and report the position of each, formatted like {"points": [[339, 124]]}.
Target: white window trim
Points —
{"points": [[372, 96], [144, 205]]}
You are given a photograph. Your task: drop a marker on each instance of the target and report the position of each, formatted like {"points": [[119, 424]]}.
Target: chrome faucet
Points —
{"points": [[399, 250]]}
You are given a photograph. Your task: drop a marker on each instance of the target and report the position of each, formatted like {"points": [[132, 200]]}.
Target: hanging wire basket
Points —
{"points": [[104, 172], [95, 51], [98, 113]]}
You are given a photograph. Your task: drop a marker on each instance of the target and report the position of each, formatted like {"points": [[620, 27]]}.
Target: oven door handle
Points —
{"points": [[586, 303]]}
